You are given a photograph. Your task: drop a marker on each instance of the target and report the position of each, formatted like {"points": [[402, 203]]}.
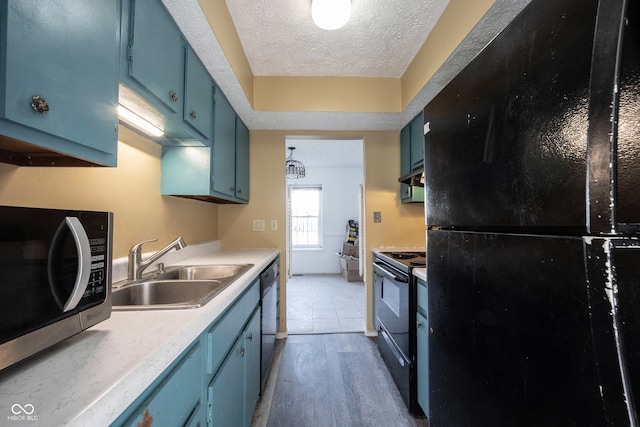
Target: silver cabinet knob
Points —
{"points": [[173, 95], [39, 104], [193, 114]]}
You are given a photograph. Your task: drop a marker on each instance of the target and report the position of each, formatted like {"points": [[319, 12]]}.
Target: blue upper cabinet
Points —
{"points": [[168, 83], [217, 174], [59, 88], [224, 143], [417, 141], [242, 160], [412, 157], [156, 53], [198, 98]]}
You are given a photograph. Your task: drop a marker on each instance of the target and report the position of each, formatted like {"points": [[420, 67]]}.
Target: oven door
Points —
{"points": [[392, 304]]}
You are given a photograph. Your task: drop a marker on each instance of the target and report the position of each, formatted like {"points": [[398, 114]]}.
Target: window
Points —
{"points": [[306, 208]]}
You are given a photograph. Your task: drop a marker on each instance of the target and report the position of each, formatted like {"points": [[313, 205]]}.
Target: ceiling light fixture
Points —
{"points": [[131, 118], [330, 14], [294, 168]]}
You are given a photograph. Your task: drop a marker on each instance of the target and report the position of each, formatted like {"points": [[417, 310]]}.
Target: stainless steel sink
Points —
{"points": [[204, 272], [178, 287]]}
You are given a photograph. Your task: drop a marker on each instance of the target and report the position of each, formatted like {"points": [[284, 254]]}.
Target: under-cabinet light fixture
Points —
{"points": [[330, 14], [138, 122]]}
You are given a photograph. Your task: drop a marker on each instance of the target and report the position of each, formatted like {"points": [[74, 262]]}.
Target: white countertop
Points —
{"points": [[398, 249], [91, 378], [420, 273]]}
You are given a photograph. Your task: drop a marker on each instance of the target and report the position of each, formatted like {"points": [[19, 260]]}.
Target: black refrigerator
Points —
{"points": [[532, 206]]}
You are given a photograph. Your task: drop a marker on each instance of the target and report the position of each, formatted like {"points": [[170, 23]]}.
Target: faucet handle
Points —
{"points": [[137, 248]]}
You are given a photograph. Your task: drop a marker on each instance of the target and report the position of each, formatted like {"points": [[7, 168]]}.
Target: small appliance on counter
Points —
{"points": [[55, 277]]}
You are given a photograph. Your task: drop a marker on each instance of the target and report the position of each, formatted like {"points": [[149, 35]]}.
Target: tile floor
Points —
{"points": [[324, 303]]}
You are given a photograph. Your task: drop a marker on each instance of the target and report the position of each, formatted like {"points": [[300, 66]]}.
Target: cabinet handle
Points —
{"points": [[250, 337], [39, 105], [419, 324], [173, 95], [242, 352], [193, 114], [232, 188], [239, 190]]}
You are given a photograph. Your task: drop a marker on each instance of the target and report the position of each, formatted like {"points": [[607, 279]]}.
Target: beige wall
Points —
{"points": [[131, 191], [402, 225], [357, 94]]}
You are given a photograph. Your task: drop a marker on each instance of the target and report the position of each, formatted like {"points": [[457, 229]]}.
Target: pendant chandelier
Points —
{"points": [[294, 168]]}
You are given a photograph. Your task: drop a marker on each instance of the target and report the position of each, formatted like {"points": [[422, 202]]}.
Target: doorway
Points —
{"points": [[320, 206]]}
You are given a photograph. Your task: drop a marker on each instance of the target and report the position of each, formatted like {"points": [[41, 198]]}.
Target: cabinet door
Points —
{"points": [[65, 52], [252, 366], [223, 175], [423, 362], [242, 160], [225, 394], [176, 401], [417, 141], [405, 160], [405, 150], [156, 55], [197, 99]]}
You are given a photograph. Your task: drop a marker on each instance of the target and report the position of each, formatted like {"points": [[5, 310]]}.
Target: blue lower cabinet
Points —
{"points": [[175, 397], [230, 400], [423, 362], [422, 331], [216, 382], [225, 394], [252, 367]]}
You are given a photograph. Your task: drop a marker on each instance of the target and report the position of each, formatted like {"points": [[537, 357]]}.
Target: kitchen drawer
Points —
{"points": [[422, 296], [223, 334]]}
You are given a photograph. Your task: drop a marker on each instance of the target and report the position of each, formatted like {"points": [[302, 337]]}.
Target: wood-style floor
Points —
{"points": [[331, 380]]}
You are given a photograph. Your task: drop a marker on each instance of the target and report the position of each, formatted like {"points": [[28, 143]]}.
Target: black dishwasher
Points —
{"points": [[270, 316]]}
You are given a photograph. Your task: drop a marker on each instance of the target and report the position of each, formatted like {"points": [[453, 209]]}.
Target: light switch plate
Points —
{"points": [[274, 225], [377, 216], [258, 225]]}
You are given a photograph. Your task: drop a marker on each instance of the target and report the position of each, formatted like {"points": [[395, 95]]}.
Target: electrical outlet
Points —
{"points": [[258, 225], [377, 216], [274, 225]]}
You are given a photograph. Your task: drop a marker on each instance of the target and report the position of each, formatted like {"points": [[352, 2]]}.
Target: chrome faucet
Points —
{"points": [[137, 265]]}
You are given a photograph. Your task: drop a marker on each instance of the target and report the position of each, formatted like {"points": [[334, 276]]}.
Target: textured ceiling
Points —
{"points": [[380, 39], [194, 25]]}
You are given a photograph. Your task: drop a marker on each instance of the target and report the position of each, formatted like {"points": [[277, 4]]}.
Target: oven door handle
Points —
{"points": [[392, 346], [389, 275]]}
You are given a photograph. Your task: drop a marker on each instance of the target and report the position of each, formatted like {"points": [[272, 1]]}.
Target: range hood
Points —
{"points": [[414, 178]]}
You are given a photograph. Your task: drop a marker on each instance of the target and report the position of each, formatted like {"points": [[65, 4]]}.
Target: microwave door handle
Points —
{"points": [[83, 248]]}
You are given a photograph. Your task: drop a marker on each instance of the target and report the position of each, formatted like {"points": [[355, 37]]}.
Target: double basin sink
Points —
{"points": [[179, 287]]}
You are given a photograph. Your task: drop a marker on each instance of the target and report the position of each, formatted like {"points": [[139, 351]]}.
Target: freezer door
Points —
{"points": [[510, 340], [507, 139]]}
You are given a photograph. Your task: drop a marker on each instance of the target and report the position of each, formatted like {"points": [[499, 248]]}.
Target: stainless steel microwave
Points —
{"points": [[55, 277]]}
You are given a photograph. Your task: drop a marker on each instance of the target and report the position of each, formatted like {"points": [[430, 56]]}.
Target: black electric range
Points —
{"points": [[395, 318]]}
